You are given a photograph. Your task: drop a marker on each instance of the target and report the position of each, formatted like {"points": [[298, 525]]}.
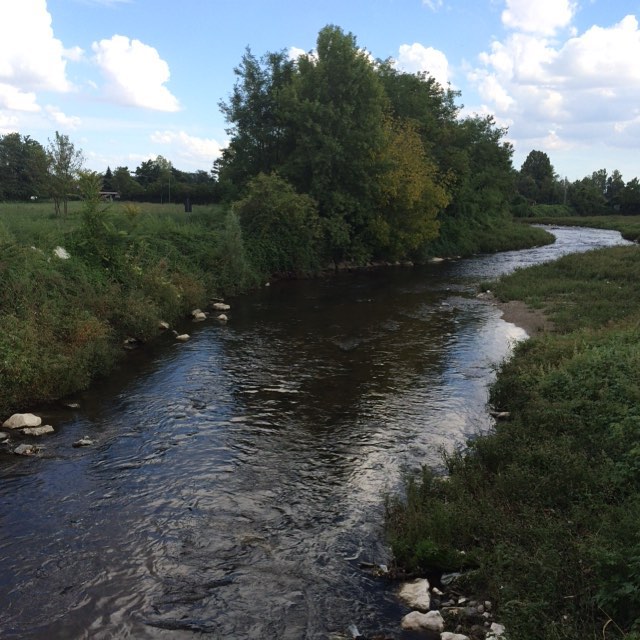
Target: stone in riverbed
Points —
{"points": [[83, 442], [21, 420], [38, 431], [4, 437], [26, 450], [416, 621], [447, 635], [220, 306], [416, 594]]}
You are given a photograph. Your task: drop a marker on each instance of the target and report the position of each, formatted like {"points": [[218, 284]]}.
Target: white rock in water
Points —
{"points": [[447, 635], [416, 621], [183, 337], [25, 450], [416, 594], [83, 442], [221, 306], [223, 317], [38, 431], [20, 420], [200, 316]]}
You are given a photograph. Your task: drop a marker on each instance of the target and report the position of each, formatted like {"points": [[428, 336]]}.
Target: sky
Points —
{"points": [[128, 80]]}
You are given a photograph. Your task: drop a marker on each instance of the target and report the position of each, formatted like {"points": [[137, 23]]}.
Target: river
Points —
{"points": [[236, 481]]}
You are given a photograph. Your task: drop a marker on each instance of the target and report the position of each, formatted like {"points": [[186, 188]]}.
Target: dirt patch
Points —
{"points": [[533, 321]]}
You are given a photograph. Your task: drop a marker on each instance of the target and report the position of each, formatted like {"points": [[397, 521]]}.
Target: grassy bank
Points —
{"points": [[547, 508], [63, 321]]}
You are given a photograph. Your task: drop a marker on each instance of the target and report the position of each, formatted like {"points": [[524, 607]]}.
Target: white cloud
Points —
{"points": [[434, 5], [562, 93], [191, 149], [135, 74], [31, 58], [295, 52], [14, 99], [543, 17], [59, 118], [416, 57]]}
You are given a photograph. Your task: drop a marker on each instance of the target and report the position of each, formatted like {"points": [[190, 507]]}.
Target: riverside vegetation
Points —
{"points": [[543, 515]]}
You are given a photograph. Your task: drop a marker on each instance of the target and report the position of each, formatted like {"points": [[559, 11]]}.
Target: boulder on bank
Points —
{"points": [[221, 306], [198, 315], [447, 635], [416, 621], [416, 594], [21, 420]]}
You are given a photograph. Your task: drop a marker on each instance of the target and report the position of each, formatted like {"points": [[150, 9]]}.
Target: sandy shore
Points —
{"points": [[533, 321]]}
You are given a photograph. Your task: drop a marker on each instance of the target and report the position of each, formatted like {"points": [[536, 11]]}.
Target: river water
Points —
{"points": [[237, 480]]}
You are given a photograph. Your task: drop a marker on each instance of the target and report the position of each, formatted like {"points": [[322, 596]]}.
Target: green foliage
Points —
{"points": [[281, 228], [23, 168]]}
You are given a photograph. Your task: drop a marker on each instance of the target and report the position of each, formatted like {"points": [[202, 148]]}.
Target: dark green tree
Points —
{"points": [[537, 180], [23, 167], [586, 198], [280, 227], [630, 198], [615, 187]]}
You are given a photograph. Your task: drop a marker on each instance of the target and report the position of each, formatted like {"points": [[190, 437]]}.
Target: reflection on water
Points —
{"points": [[237, 479]]}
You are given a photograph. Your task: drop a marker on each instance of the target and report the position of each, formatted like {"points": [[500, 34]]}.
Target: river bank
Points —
{"points": [[78, 292], [542, 514]]}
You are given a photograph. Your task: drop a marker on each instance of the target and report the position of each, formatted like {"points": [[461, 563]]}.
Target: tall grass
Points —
{"points": [[63, 321]]}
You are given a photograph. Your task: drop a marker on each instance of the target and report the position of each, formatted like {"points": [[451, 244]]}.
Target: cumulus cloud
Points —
{"points": [[562, 92], [31, 58], [191, 149], [135, 74], [8, 123], [416, 57], [543, 17]]}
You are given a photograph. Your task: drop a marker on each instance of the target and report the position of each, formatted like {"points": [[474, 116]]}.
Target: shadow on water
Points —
{"points": [[236, 482]]}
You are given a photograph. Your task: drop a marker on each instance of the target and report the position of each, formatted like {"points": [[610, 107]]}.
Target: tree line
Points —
{"points": [[30, 171], [600, 193], [335, 156]]}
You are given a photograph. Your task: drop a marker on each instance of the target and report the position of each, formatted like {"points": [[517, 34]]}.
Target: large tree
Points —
{"points": [[65, 163], [23, 167], [537, 180]]}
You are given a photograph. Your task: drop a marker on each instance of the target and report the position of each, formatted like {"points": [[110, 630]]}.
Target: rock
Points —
{"points": [[416, 621], [447, 635], [71, 405], [3, 436], [496, 631], [221, 306], [200, 316], [222, 317], [62, 253], [436, 260], [21, 420], [38, 431], [487, 605], [131, 343], [164, 326], [83, 442], [416, 594], [26, 450], [500, 415], [182, 337]]}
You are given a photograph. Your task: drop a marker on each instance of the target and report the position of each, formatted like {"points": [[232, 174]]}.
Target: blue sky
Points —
{"points": [[128, 80]]}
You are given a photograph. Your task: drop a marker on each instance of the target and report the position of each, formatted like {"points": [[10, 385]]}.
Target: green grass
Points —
{"points": [[547, 508], [63, 322]]}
